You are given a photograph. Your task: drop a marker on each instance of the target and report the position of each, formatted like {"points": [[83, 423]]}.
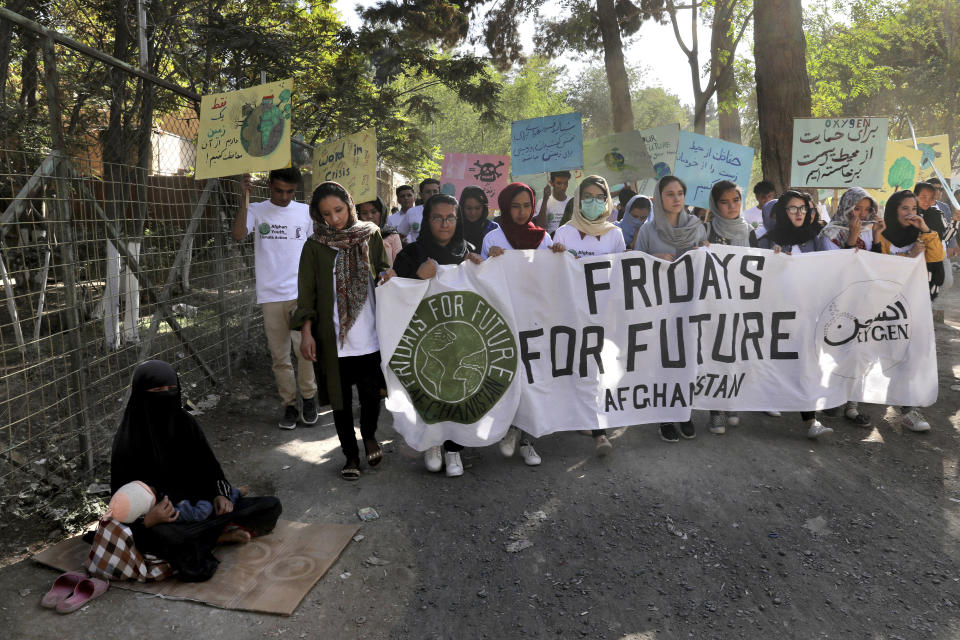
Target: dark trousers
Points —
{"points": [[364, 372], [807, 415], [452, 446]]}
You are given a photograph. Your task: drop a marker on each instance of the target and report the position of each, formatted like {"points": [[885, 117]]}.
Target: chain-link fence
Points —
{"points": [[110, 254]]}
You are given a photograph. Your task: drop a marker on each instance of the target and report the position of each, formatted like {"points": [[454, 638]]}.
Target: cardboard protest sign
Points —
{"points": [[551, 143], [629, 339], [662, 146], [351, 161], [244, 131], [461, 170], [703, 161], [901, 170], [838, 152], [619, 157], [936, 152]]}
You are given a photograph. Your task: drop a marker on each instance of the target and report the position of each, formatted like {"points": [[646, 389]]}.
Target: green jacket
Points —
{"points": [[315, 298]]}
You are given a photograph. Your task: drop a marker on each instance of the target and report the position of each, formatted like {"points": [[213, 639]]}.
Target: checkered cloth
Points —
{"points": [[114, 557]]}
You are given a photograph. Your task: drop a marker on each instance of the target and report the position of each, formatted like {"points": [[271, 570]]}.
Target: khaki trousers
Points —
{"points": [[280, 339]]}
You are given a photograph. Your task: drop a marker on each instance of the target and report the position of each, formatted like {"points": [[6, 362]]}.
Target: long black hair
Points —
{"points": [[784, 233]]}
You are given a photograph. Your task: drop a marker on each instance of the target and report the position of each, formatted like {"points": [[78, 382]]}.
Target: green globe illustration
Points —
{"points": [[440, 372], [262, 128]]}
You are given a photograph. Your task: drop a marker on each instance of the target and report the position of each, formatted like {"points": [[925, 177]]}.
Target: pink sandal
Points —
{"points": [[87, 589], [62, 588]]}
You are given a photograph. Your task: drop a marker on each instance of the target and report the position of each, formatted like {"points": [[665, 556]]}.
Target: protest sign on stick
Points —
{"points": [[662, 146], [838, 152], [936, 155], [619, 157], [461, 170], [703, 161], [351, 161], [551, 143], [901, 171], [244, 131]]}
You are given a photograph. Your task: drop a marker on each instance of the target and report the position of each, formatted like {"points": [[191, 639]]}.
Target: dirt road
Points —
{"points": [[759, 533]]}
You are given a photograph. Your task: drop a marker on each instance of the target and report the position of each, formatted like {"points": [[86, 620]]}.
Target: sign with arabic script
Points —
{"points": [[839, 152], [351, 161], [702, 162], [244, 131], [662, 146], [618, 157], [551, 143]]}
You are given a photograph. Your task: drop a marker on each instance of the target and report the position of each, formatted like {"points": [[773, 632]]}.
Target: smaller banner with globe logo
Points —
{"points": [[244, 131]]}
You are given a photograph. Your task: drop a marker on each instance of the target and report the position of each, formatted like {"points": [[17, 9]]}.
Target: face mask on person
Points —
{"points": [[593, 208]]}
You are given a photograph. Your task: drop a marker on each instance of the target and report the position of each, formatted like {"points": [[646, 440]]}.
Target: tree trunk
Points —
{"points": [[722, 53], [6, 33], [616, 69], [783, 88]]}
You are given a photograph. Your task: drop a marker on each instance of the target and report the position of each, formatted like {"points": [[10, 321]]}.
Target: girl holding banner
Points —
{"points": [[517, 231], [855, 224], [590, 233], [335, 315], [440, 242], [796, 228], [474, 205], [669, 233]]}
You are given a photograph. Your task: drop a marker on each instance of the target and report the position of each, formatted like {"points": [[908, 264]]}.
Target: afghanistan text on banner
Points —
{"points": [[834, 153], [702, 162], [549, 343], [244, 131], [551, 143], [462, 170], [350, 161], [662, 146], [619, 157]]}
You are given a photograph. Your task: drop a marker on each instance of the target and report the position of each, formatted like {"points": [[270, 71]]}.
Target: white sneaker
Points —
{"points": [[454, 466], [733, 418], [914, 421], [717, 424], [433, 458], [509, 443], [816, 430], [529, 454], [773, 414]]}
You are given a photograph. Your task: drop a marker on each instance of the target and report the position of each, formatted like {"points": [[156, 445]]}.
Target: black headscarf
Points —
{"points": [[783, 232], [473, 232], [898, 234], [159, 443], [425, 247]]}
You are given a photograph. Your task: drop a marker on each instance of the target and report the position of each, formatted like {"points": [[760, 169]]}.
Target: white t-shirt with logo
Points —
{"points": [[610, 242], [754, 216], [409, 227], [279, 234], [396, 219], [555, 210]]}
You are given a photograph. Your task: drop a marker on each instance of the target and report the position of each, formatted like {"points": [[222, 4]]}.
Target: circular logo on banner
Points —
{"points": [[856, 338], [456, 358]]}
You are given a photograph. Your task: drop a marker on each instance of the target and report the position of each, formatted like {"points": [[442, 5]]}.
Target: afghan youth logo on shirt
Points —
{"points": [[456, 358]]}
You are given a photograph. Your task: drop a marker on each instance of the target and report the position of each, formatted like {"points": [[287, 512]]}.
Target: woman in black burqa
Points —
{"points": [[160, 444]]}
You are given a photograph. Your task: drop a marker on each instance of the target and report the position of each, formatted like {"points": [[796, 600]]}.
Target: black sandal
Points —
{"points": [[861, 420], [351, 470], [374, 453]]}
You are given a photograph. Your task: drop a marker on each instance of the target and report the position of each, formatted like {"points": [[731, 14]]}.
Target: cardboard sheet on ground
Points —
{"points": [[550, 143], [244, 131], [901, 171], [351, 161], [462, 170], [703, 161], [619, 157], [271, 574], [838, 152]]}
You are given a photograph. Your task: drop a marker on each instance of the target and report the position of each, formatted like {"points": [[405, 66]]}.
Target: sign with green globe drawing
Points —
{"points": [[456, 358]]}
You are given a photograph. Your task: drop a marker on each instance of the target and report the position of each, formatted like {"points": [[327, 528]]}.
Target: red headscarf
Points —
{"points": [[520, 236]]}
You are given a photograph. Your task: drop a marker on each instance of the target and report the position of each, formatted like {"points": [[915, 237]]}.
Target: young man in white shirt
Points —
{"points": [[409, 228], [554, 201], [764, 191], [406, 199], [280, 226]]}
